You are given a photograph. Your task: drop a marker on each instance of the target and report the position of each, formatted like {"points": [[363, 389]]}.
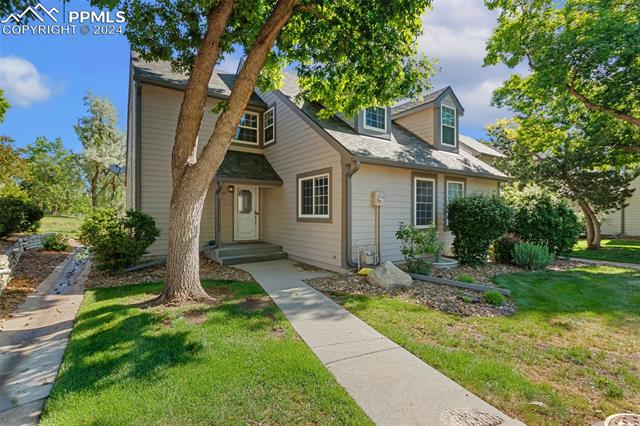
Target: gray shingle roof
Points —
{"points": [[246, 166], [404, 147], [412, 104], [160, 72], [479, 147]]}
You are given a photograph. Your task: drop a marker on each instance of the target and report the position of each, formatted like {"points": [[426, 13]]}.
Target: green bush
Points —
{"points": [[494, 297], [476, 221], [118, 240], [56, 242], [532, 256], [18, 215], [417, 243], [542, 219], [465, 278], [503, 248]]}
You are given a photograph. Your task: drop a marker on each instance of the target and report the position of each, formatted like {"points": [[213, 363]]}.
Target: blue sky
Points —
{"points": [[46, 76]]}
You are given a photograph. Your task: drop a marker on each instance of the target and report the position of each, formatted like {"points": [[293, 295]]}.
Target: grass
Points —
{"points": [[235, 363], [624, 251], [572, 346], [68, 225]]}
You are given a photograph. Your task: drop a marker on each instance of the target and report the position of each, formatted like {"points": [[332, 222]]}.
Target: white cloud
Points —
{"points": [[21, 81], [456, 32]]}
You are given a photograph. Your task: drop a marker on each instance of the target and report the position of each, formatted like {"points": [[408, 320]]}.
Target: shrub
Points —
{"points": [[55, 242], [18, 215], [465, 278], [503, 248], [542, 219], [475, 221], [532, 256], [494, 297], [417, 243], [118, 240]]}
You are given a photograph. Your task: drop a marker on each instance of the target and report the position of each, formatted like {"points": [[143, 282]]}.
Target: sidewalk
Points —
{"points": [[607, 263], [32, 343], [391, 385]]}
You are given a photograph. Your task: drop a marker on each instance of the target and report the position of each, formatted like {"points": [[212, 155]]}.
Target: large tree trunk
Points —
{"points": [[594, 235], [192, 177]]}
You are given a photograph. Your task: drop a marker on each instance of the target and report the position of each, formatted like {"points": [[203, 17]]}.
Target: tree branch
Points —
{"points": [[595, 107], [195, 94]]}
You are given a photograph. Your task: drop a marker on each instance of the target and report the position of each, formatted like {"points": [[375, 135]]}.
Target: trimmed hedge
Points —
{"points": [[476, 221], [118, 240], [18, 215]]}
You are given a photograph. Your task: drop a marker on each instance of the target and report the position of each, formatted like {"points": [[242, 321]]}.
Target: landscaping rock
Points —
{"points": [[389, 276]]}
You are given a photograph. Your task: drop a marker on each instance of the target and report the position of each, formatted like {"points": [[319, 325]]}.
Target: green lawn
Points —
{"points": [[236, 363], [68, 225], [612, 250], [572, 346]]}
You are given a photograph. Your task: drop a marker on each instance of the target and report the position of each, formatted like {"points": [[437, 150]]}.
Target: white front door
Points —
{"points": [[246, 222]]}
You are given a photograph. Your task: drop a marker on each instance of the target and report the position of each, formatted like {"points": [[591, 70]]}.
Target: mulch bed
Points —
{"points": [[453, 300], [458, 301], [208, 270], [33, 268]]}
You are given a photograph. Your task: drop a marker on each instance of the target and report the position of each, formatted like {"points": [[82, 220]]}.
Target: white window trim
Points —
{"points": [[376, 129], [273, 124], [455, 126], [257, 129], [415, 202], [314, 216], [457, 182]]}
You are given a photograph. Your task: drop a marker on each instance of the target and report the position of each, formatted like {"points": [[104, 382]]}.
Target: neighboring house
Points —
{"points": [[303, 185], [627, 220]]}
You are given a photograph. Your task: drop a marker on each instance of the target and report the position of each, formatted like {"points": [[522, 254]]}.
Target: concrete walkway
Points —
{"points": [[32, 343], [607, 263], [390, 384]]}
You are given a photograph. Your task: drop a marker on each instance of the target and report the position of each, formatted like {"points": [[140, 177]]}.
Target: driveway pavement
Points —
{"points": [[390, 384]]}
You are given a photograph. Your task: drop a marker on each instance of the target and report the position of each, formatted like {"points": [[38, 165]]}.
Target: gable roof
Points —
{"points": [[161, 73], [427, 101], [246, 166], [403, 149], [479, 147]]}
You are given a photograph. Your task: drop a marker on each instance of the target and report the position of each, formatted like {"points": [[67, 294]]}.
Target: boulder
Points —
{"points": [[388, 276]]}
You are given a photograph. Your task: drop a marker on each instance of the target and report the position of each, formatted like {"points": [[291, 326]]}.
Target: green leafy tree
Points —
{"points": [[4, 105], [586, 49], [103, 147], [55, 180], [348, 54], [12, 166], [579, 156]]}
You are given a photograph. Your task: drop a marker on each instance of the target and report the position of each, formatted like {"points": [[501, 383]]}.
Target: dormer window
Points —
{"points": [[247, 130], [375, 118], [448, 126]]}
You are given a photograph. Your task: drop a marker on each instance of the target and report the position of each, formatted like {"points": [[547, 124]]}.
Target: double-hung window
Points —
{"points": [[313, 197], [455, 189], [448, 126], [424, 212], [269, 127], [375, 118], [247, 130]]}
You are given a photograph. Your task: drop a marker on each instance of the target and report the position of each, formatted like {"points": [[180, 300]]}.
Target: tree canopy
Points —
{"points": [[587, 49], [103, 147]]}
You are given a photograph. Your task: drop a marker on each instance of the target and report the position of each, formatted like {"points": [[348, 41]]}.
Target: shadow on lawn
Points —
{"points": [[120, 341]]}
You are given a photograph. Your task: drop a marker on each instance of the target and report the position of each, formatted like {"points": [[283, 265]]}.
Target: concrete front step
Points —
{"points": [[251, 258], [243, 249]]}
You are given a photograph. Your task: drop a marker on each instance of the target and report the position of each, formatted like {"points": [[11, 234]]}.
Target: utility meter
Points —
{"points": [[377, 199]]}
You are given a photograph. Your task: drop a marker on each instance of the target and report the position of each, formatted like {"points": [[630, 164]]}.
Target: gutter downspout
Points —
{"points": [[218, 222], [350, 173]]}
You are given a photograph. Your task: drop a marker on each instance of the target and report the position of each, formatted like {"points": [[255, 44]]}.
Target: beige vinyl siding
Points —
{"points": [[612, 223], [420, 123], [159, 115], [300, 149], [397, 185]]}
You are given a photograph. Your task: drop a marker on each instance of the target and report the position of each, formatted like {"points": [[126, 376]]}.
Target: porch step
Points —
{"points": [[252, 258], [233, 254]]}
